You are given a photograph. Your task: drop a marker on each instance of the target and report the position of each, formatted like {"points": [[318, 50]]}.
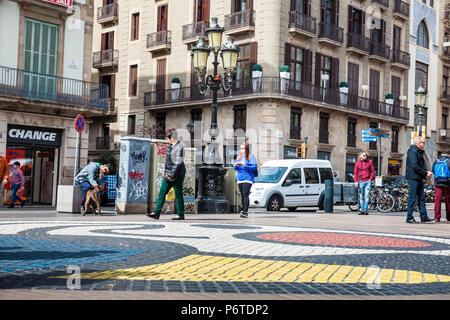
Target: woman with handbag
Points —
{"points": [[246, 167], [174, 173]]}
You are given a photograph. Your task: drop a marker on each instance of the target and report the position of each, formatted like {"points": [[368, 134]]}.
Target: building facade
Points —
{"points": [[143, 48], [45, 82], [443, 101]]}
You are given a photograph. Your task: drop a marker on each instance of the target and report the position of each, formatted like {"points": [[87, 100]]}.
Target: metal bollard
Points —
{"points": [[329, 196]]}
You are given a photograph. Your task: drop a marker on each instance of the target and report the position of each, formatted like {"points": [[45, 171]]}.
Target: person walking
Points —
{"points": [[174, 173], [4, 176], [364, 173], [17, 183], [415, 175], [441, 171], [246, 166], [89, 176]]}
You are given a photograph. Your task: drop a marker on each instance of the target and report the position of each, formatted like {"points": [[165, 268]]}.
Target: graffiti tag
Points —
{"points": [[136, 175]]}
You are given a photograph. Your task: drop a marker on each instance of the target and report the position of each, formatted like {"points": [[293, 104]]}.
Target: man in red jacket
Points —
{"points": [[364, 173]]}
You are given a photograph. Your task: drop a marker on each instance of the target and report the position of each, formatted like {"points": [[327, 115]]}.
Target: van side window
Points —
{"points": [[325, 174], [295, 176], [311, 175]]}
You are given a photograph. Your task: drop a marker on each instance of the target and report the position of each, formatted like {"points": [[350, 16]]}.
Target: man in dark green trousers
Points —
{"points": [[174, 173]]}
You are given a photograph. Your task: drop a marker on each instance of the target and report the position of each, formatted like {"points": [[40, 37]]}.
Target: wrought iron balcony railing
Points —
{"points": [[401, 7], [103, 143], [380, 49], [280, 87], [104, 58], [358, 41], [194, 30], [331, 31], [159, 38], [302, 21], [44, 87], [382, 2], [108, 12], [239, 19], [402, 57]]}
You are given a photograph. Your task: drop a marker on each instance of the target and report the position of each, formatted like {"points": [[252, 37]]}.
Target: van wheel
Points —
{"points": [[322, 204], [292, 209], [274, 203]]}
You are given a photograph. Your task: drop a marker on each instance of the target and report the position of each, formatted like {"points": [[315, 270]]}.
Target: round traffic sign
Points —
{"points": [[80, 123]]}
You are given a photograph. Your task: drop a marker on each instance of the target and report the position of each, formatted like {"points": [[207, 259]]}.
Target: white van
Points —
{"points": [[291, 184]]}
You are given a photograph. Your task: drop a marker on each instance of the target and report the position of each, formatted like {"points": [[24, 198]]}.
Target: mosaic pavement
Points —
{"points": [[225, 258]]}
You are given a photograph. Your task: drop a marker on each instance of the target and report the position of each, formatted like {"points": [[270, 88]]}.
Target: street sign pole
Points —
{"points": [[379, 148], [80, 124], [77, 157]]}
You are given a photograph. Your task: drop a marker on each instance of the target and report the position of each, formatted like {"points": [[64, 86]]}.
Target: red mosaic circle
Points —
{"points": [[342, 240]]}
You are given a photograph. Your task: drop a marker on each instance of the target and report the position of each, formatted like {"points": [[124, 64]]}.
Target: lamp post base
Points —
{"points": [[211, 192]]}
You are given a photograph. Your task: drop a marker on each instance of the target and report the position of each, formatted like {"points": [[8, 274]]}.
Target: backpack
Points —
{"points": [[441, 171]]}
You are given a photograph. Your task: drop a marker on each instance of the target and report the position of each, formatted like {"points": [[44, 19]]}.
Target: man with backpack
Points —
{"points": [[441, 170]]}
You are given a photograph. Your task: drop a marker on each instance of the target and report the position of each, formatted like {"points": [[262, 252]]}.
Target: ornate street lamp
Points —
{"points": [[421, 99], [212, 196]]}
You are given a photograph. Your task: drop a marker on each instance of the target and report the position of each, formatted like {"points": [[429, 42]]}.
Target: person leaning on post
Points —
{"points": [[174, 173], [415, 176], [90, 176]]}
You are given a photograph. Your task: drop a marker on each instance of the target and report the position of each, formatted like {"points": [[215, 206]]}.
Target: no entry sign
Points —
{"points": [[80, 123]]}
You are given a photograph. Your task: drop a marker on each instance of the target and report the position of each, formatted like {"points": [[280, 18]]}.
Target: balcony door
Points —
{"points": [[397, 32], [329, 13], [160, 81], [353, 84], [40, 59], [202, 9], [241, 5], [356, 21], [374, 91], [301, 6]]}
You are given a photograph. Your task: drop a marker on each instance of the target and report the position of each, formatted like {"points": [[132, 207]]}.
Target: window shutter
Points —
{"points": [[318, 59], [136, 26], [112, 90], [166, 16], [308, 11], [233, 6], [383, 35], [103, 43], [111, 40], [322, 10], [287, 54], [307, 66], [205, 8], [253, 54], [350, 19], [158, 22], [105, 2], [445, 72], [363, 23], [334, 73], [249, 5], [337, 13]]}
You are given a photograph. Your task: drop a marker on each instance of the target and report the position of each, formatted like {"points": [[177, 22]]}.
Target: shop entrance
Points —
{"points": [[40, 169]]}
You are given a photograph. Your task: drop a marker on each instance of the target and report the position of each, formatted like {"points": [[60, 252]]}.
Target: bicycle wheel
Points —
{"points": [[385, 202], [354, 207]]}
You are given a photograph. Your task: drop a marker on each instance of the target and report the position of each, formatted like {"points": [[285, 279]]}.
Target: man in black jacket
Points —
{"points": [[415, 175], [174, 173]]}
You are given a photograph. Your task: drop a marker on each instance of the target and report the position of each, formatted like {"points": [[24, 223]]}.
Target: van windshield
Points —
{"points": [[270, 174]]}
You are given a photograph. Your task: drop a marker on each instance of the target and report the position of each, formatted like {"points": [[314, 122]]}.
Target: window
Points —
{"points": [[160, 125], [296, 66], [295, 176], [240, 5], [107, 41], [356, 21], [202, 10], [422, 35], [444, 117], [375, 163], [323, 127], [351, 132], [394, 139], [394, 166], [133, 81], [132, 124], [196, 115], [350, 160], [240, 117], [323, 155], [329, 12], [325, 68], [445, 92], [243, 69], [300, 6], [311, 176], [296, 129], [162, 18], [353, 83], [325, 174], [135, 26], [421, 75]]}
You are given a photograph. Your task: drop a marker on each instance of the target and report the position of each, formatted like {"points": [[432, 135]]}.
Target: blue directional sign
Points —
{"points": [[369, 139]]}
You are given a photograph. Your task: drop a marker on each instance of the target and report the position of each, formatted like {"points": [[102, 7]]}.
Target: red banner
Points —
{"points": [[64, 3]]}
